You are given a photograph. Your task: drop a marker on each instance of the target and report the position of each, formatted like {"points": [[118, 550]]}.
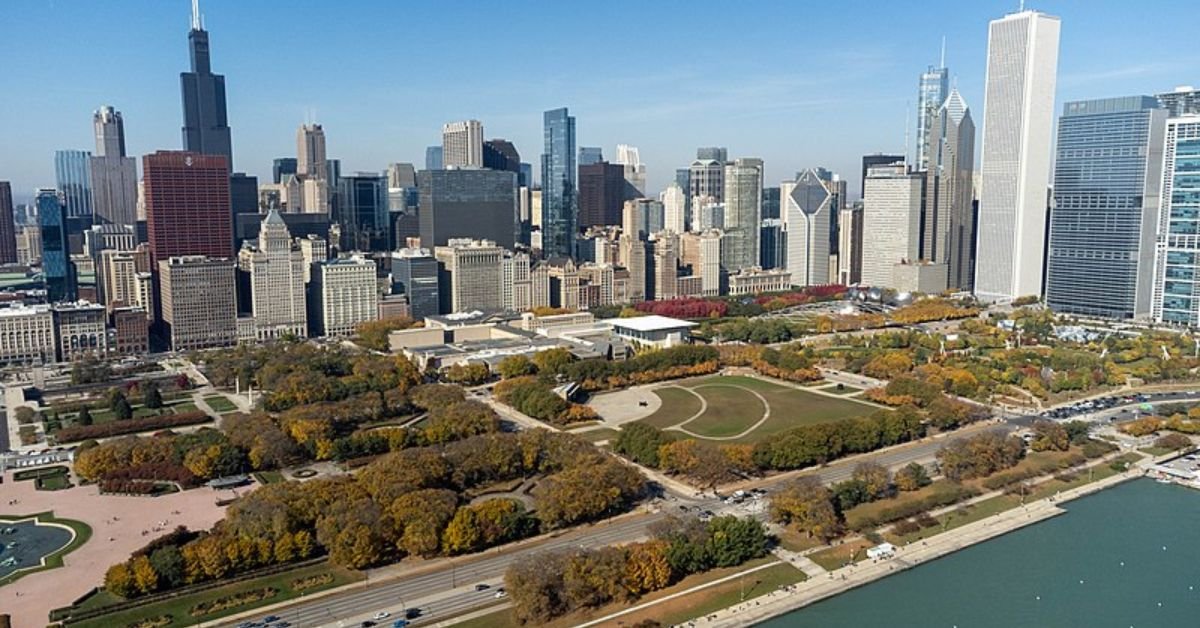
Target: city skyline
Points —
{"points": [[672, 102]]}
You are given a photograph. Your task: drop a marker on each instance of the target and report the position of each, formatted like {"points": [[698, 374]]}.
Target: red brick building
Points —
{"points": [[187, 205]]}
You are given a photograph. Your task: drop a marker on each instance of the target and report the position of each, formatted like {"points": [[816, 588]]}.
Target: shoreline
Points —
{"points": [[757, 610]]}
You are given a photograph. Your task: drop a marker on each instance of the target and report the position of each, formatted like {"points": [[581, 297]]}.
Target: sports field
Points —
{"points": [[745, 409]]}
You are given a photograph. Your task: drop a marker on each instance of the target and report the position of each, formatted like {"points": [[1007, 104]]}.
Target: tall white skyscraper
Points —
{"points": [[891, 222], [462, 144], [276, 268], [674, 201], [1017, 132], [805, 206], [635, 170], [312, 170]]}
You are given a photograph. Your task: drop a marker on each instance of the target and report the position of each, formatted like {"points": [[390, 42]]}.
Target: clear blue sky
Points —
{"points": [[797, 83]]}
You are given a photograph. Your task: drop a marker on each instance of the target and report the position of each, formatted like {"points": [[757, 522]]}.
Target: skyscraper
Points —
{"points": [[1107, 174], [872, 160], [187, 205], [559, 208], [433, 158], [1183, 100], [363, 212], [601, 193], [475, 204], [470, 275], [415, 275], [589, 155], [1177, 264], [57, 270], [113, 175], [282, 168], [310, 152], [205, 124], [931, 93], [806, 204], [891, 223], [712, 153], [8, 231], [674, 201], [110, 132], [635, 170], [276, 268], [199, 304], [462, 144], [401, 175], [73, 176], [706, 177], [743, 213], [949, 215], [500, 154], [1017, 117]]}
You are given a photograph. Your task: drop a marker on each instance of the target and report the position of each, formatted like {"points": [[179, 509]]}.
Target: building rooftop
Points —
{"points": [[653, 322]]}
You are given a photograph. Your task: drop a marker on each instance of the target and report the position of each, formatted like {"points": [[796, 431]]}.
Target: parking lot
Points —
{"points": [[1119, 407]]}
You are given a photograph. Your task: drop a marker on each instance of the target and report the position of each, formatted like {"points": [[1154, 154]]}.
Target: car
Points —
{"points": [[282, 624], [412, 613], [381, 615], [482, 586], [367, 624], [270, 619], [500, 593]]}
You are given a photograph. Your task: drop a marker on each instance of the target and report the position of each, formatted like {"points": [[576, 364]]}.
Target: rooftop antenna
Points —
{"points": [[943, 61], [196, 26], [906, 112]]}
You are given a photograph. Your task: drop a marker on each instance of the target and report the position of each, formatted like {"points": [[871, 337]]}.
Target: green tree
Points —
{"points": [[552, 361], [515, 366], [168, 563], [152, 396], [121, 408], [875, 479], [912, 477], [640, 443], [84, 417]]}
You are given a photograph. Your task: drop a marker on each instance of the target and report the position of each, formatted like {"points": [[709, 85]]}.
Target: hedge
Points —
{"points": [[129, 426]]}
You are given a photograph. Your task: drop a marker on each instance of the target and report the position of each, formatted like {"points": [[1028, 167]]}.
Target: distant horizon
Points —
{"points": [[797, 89]]}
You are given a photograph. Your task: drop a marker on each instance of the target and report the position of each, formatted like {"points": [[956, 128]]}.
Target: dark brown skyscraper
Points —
{"points": [[8, 234], [187, 204], [601, 194]]}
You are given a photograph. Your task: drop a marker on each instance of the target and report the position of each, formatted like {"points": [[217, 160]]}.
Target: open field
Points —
{"points": [[745, 409], [220, 404]]}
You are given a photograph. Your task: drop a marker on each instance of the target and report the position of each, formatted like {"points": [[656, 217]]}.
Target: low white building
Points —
{"points": [[656, 331]]}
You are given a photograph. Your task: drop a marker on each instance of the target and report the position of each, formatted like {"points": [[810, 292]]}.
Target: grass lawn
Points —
{"points": [[82, 531], [873, 509], [53, 482], [220, 404], [185, 406], [837, 556], [794, 541], [1156, 451], [731, 411], [502, 618], [603, 433], [678, 405], [178, 608]]}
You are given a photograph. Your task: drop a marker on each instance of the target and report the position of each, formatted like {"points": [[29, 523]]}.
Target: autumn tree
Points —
{"points": [[374, 334], [587, 491], [911, 477], [535, 588], [979, 456], [430, 396], [516, 366], [646, 567], [421, 516], [1050, 436], [552, 361], [875, 479], [468, 374], [806, 504]]}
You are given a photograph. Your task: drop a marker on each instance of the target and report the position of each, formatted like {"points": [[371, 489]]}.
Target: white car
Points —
{"points": [[501, 593], [381, 615]]}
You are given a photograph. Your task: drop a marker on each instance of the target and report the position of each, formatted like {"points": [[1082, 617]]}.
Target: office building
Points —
{"points": [[466, 203], [707, 214], [58, 271], [433, 158], [73, 178], [199, 304], [805, 205], [1018, 112], [713, 153], [706, 177], [1181, 101], [81, 330], [311, 162], [363, 212], [876, 159], [469, 275], [663, 270], [313, 248], [559, 202], [205, 124], [1107, 177], [931, 93], [8, 228], [113, 174], [27, 334], [501, 154], [891, 222], [276, 269], [243, 194], [634, 170], [125, 279], [589, 155], [949, 215], [401, 175], [770, 203], [187, 205], [462, 144], [130, 331], [601, 194], [674, 201], [772, 244], [632, 251], [1177, 262], [750, 281], [343, 293], [282, 167], [743, 188], [642, 217], [415, 275], [29, 245], [850, 245]]}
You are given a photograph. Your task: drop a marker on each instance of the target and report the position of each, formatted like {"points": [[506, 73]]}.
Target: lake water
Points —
{"points": [[1062, 573]]}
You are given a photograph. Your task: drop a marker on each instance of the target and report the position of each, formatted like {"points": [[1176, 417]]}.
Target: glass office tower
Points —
{"points": [[558, 184], [1177, 266], [73, 176], [57, 270]]}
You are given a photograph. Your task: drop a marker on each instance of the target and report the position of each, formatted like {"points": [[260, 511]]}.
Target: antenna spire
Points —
{"points": [[943, 61], [196, 26]]}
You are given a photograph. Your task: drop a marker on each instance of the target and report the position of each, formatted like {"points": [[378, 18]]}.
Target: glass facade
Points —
{"points": [[466, 203], [1100, 255], [589, 155], [363, 213], [57, 270], [1176, 295], [558, 184], [433, 158], [931, 93], [73, 176]]}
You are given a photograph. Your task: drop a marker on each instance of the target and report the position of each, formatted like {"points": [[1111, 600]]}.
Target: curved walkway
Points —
{"points": [[704, 406]]}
